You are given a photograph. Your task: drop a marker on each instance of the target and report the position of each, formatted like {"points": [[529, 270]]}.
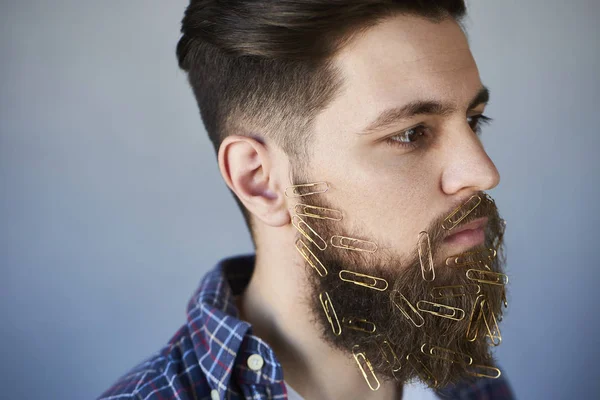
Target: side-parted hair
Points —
{"points": [[263, 68]]}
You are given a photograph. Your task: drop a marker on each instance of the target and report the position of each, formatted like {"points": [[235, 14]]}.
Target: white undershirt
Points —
{"points": [[410, 391], [417, 391], [292, 394]]}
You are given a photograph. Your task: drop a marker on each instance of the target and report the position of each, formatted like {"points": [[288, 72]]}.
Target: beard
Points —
{"points": [[386, 330]]}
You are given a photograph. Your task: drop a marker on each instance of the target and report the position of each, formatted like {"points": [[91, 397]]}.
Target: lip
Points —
{"points": [[471, 234]]}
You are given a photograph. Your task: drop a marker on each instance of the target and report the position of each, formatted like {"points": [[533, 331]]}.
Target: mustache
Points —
{"points": [[486, 208]]}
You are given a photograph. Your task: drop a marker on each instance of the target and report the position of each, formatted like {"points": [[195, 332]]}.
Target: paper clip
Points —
{"points": [[404, 302], [421, 369], [442, 353], [327, 306], [489, 277], [312, 259], [367, 281], [491, 325], [425, 257], [471, 258], [442, 292], [461, 212], [298, 222], [323, 213], [489, 198], [361, 358], [364, 245], [306, 189], [473, 328], [504, 297], [500, 235], [441, 310], [359, 324], [390, 355], [483, 371]]}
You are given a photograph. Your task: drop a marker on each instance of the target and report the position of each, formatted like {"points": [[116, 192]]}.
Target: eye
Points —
{"points": [[476, 121], [409, 138]]}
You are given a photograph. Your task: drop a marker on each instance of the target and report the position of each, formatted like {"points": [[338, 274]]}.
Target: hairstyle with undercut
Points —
{"points": [[263, 68]]}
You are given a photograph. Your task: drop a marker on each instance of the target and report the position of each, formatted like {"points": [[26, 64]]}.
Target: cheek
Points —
{"points": [[387, 203]]}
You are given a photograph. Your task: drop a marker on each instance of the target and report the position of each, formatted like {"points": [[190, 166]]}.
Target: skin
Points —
{"points": [[390, 192]]}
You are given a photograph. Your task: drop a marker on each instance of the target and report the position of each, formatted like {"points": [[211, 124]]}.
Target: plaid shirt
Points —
{"points": [[208, 357]]}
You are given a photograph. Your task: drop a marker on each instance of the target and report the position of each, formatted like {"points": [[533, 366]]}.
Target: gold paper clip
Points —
{"points": [[461, 212], [425, 257], [442, 353], [306, 189], [500, 235], [474, 321], [363, 245], [359, 324], [390, 355], [442, 292], [441, 310], [367, 281], [311, 258], [489, 198], [489, 277], [361, 359], [483, 371], [405, 303], [317, 241], [327, 306], [471, 258], [323, 213], [491, 325], [422, 370]]}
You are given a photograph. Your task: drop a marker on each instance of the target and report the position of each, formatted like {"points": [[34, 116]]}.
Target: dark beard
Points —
{"points": [[354, 303]]}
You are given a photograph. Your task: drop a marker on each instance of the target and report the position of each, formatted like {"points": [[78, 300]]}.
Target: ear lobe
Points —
{"points": [[247, 168]]}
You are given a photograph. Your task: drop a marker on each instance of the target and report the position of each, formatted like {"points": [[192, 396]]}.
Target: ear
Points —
{"points": [[247, 168]]}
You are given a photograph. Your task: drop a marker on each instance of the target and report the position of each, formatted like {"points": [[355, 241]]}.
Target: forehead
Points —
{"points": [[402, 59]]}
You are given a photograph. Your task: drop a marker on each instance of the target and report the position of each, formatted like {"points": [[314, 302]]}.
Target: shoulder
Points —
{"points": [[173, 371], [128, 385]]}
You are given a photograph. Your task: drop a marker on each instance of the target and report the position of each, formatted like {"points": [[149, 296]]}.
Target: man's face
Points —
{"points": [[390, 193], [388, 189]]}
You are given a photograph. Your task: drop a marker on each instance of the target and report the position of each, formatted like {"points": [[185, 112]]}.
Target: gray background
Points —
{"points": [[112, 207]]}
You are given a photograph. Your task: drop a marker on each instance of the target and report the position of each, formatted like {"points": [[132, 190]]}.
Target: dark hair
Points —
{"points": [[262, 68]]}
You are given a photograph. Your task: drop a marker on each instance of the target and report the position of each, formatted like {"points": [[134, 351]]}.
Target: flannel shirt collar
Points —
{"points": [[222, 342]]}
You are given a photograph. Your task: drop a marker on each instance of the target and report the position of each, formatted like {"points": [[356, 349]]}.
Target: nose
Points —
{"points": [[467, 166]]}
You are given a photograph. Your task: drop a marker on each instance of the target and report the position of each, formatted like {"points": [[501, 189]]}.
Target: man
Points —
{"points": [[348, 133]]}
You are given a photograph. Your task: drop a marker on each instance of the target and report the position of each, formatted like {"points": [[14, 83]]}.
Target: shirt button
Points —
{"points": [[255, 362], [214, 394]]}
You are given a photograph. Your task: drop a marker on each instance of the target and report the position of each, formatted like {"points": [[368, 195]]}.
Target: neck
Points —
{"points": [[275, 303]]}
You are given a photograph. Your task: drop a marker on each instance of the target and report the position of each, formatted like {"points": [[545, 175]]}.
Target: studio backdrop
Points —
{"points": [[112, 206]]}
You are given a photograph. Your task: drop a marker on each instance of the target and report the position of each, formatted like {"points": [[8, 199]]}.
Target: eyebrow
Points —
{"points": [[420, 107]]}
